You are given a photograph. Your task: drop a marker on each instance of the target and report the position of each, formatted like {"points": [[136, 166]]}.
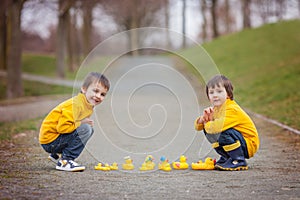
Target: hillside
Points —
{"points": [[264, 66]]}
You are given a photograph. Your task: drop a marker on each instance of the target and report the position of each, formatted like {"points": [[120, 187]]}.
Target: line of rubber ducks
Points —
{"points": [[148, 164]]}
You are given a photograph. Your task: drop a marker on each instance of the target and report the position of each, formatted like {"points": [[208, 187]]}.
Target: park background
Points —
{"points": [[254, 43]]}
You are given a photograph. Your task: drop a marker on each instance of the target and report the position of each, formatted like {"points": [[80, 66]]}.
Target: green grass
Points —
{"points": [[9, 129], [45, 65], [39, 64], [264, 66], [32, 88]]}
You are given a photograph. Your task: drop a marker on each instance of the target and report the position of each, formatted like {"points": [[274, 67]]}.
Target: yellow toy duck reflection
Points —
{"points": [[128, 163], [164, 165], [208, 164], [103, 167], [182, 164], [148, 164], [114, 166], [106, 167]]}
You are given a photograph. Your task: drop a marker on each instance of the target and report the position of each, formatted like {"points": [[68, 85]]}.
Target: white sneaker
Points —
{"points": [[69, 165]]}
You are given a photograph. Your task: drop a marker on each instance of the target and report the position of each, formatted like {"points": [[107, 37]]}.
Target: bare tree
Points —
{"points": [[227, 16], [183, 23], [264, 9], [70, 38], [73, 46], [246, 14], [3, 16], [203, 7], [132, 14], [167, 19], [280, 9], [214, 18], [87, 29], [63, 23], [224, 17], [14, 49]]}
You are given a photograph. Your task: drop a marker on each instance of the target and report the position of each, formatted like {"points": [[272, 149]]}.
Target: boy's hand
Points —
{"points": [[200, 120], [208, 114], [87, 121]]}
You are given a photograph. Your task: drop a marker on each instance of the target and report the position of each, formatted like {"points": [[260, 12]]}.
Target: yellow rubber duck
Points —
{"points": [[182, 164], [128, 163], [103, 167], [208, 164], [148, 164], [164, 165], [114, 166]]}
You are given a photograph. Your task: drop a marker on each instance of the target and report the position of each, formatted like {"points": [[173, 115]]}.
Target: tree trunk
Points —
{"points": [[134, 38], [63, 12], [167, 16], [183, 23], [60, 48], [214, 18], [227, 16], [87, 26], [280, 9], [246, 14], [3, 8], [14, 50], [204, 24], [70, 46], [74, 44]]}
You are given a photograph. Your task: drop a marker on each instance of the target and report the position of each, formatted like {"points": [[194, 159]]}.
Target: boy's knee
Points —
{"points": [[229, 136], [223, 140], [226, 139], [86, 129]]}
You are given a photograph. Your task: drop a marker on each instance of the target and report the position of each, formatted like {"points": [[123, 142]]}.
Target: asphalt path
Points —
{"points": [[147, 112], [150, 110]]}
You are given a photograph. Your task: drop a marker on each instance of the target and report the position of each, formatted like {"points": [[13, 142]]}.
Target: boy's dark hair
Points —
{"points": [[220, 80], [96, 77]]}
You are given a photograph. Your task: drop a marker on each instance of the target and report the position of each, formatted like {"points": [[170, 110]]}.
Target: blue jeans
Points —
{"points": [[228, 137], [72, 144]]}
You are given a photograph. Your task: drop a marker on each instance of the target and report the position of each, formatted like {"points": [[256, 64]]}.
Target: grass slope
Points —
{"points": [[39, 64], [45, 65], [264, 66], [32, 88]]}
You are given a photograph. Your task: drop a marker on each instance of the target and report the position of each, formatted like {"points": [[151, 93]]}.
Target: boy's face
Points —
{"points": [[217, 95], [95, 93]]}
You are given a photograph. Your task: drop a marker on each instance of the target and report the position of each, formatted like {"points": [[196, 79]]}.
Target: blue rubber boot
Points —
{"points": [[224, 156], [235, 162]]}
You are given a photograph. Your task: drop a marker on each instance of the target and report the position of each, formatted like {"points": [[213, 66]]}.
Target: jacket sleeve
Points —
{"points": [[198, 127], [67, 122]]}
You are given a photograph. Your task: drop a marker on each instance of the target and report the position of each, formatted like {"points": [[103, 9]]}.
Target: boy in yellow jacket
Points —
{"points": [[68, 127], [227, 126]]}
